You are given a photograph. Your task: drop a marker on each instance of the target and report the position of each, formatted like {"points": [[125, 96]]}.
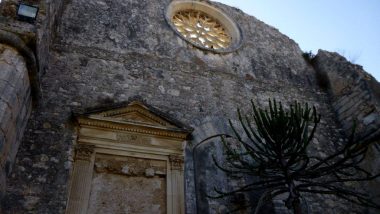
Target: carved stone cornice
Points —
{"points": [[84, 152], [176, 162], [131, 127]]}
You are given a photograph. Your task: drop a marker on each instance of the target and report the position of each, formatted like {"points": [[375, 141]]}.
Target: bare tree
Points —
{"points": [[275, 149]]}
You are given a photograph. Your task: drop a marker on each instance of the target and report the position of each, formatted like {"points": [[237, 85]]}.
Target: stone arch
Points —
{"points": [[14, 41], [17, 67]]}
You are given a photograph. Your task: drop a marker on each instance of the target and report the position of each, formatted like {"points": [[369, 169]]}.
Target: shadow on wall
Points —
{"points": [[200, 168]]}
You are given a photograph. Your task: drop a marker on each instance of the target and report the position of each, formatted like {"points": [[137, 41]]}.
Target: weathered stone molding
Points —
{"points": [[131, 128]]}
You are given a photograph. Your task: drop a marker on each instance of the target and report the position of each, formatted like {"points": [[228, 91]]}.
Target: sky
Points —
{"points": [[349, 27]]}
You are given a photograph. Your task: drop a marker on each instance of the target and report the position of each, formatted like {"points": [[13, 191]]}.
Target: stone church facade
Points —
{"points": [[105, 105]]}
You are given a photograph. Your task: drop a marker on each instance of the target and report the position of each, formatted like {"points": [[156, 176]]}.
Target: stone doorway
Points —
{"points": [[128, 160]]}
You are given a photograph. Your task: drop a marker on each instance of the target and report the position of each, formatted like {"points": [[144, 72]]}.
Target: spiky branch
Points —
{"points": [[275, 148]]}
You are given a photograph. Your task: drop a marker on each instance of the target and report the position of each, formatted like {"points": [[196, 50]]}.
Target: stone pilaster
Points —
{"points": [[177, 182], [81, 180]]}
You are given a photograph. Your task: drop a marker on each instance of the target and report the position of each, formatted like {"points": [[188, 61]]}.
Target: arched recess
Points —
{"points": [[128, 158]]}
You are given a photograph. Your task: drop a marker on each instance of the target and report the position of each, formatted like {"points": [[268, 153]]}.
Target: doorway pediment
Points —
{"points": [[135, 116], [136, 113]]}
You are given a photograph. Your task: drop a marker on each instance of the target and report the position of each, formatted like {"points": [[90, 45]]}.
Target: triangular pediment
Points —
{"points": [[135, 115]]}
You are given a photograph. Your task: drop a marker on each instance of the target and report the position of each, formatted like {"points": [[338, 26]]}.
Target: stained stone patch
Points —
{"points": [[113, 193], [127, 185]]}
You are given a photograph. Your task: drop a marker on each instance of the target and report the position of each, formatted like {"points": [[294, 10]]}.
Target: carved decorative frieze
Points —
{"points": [[130, 138], [130, 166], [138, 128], [84, 152]]}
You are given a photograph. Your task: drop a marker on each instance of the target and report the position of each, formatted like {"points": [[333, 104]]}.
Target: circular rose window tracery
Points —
{"points": [[201, 29], [204, 26]]}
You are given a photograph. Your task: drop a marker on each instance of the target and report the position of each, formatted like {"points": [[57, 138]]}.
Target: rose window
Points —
{"points": [[201, 29]]}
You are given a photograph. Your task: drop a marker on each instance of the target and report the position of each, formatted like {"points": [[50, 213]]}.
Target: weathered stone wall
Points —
{"points": [[108, 51], [49, 14], [355, 94], [15, 107], [36, 35], [20, 74]]}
